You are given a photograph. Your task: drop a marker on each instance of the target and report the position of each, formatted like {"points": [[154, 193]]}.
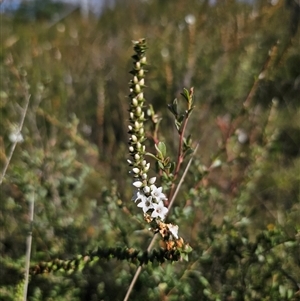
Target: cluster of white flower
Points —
{"points": [[151, 198]]}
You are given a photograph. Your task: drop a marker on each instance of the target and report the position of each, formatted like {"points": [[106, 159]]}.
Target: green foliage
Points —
{"points": [[239, 205]]}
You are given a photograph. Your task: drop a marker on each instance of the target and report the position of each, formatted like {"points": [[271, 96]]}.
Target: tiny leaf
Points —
{"points": [[162, 147]]}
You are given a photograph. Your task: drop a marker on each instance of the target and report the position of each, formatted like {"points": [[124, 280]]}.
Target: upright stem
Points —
{"points": [[28, 248], [138, 271]]}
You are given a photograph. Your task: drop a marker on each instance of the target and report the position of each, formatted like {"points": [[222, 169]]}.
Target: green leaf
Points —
{"points": [[151, 155], [173, 108], [186, 94], [159, 153], [178, 125], [188, 152], [172, 167], [162, 148], [160, 165]]}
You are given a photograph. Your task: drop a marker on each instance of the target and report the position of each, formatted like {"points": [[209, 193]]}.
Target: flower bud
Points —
{"points": [[134, 102], [140, 96], [152, 180], [135, 170], [136, 125], [138, 111], [137, 184], [137, 88]]}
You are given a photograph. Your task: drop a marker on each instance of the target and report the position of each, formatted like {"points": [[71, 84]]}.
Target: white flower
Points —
{"points": [[173, 229], [146, 168], [146, 189], [159, 210], [138, 196], [157, 193], [146, 203]]}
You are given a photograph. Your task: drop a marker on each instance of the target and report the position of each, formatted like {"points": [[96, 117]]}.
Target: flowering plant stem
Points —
{"points": [[139, 269], [149, 198]]}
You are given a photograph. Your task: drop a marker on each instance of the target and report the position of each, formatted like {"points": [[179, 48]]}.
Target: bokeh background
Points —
{"points": [[239, 207]]}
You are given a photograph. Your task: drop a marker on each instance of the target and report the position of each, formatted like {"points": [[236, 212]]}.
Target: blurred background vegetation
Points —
{"points": [[239, 207]]}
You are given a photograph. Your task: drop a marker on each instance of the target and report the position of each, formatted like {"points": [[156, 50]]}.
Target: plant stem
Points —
{"points": [[138, 271], [28, 248], [15, 143]]}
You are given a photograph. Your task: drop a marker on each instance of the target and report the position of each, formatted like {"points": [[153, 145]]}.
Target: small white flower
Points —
{"points": [[159, 210], [157, 193], [173, 229], [137, 184], [138, 196], [146, 203], [146, 189]]}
